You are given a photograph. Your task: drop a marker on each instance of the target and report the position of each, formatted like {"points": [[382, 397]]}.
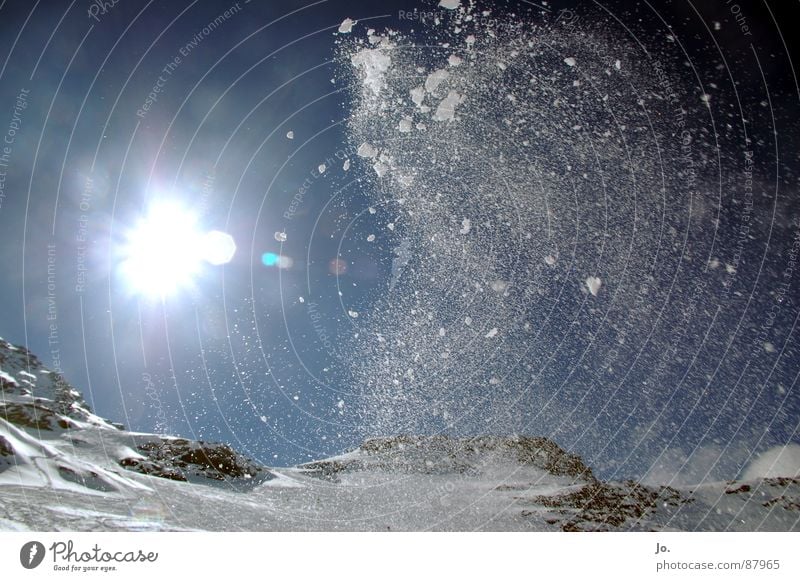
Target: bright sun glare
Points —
{"points": [[167, 249]]}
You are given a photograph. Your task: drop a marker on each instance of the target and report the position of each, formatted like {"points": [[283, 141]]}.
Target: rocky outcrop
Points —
{"points": [[34, 415], [579, 501], [445, 454], [45, 406], [186, 460], [603, 506], [5, 447], [769, 492]]}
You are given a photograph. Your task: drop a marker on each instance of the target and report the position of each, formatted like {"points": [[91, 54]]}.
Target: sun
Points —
{"points": [[167, 250]]}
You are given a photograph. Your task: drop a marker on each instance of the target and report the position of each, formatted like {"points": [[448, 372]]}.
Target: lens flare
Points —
{"points": [[218, 248], [270, 259]]}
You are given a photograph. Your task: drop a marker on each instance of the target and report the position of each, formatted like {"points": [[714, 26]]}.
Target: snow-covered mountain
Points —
{"points": [[64, 468]]}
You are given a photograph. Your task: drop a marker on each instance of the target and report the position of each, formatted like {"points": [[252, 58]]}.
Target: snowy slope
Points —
{"points": [[64, 468], [49, 439]]}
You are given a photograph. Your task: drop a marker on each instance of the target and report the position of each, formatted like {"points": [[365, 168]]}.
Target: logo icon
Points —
{"points": [[31, 554]]}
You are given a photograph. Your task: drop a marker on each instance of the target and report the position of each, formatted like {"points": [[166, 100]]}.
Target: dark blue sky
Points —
{"points": [[262, 357]]}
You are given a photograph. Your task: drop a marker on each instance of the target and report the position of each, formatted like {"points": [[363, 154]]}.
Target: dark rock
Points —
{"points": [[6, 449], [35, 416], [184, 460], [742, 488], [450, 455], [91, 480], [152, 469], [602, 506], [785, 502]]}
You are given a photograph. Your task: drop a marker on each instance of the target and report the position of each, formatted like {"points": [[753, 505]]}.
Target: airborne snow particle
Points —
{"points": [[290, 134], [353, 314], [769, 347], [380, 168], [346, 25], [593, 284], [390, 226], [263, 419], [372, 210], [280, 236], [301, 299], [340, 405], [450, 4], [322, 168], [499, 286], [447, 108], [435, 79], [375, 62], [346, 165], [371, 238], [366, 150], [705, 98], [417, 95], [392, 125]]}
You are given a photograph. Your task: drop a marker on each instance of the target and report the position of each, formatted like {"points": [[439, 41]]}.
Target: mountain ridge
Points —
{"points": [[62, 467]]}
